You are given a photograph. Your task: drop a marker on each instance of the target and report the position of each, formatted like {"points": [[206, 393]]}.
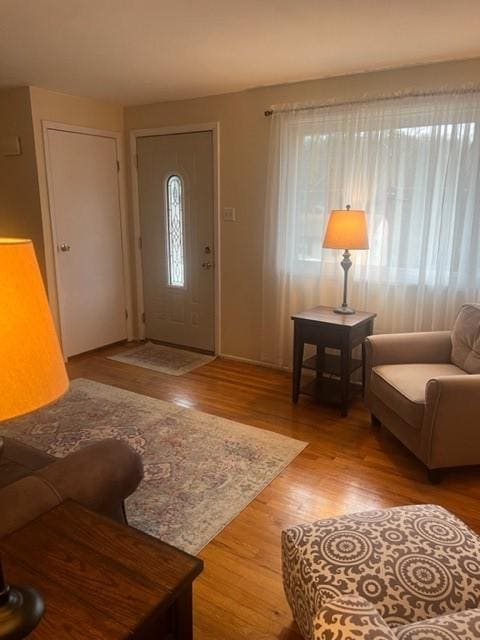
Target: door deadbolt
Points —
{"points": [[64, 247]]}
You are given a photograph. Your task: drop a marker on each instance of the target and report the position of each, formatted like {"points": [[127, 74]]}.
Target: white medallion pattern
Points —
{"points": [[346, 548], [423, 576]]}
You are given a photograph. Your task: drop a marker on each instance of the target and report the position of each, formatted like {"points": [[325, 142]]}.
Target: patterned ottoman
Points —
{"points": [[407, 567]]}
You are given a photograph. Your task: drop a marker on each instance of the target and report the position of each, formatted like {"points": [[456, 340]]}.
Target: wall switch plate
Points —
{"points": [[229, 214]]}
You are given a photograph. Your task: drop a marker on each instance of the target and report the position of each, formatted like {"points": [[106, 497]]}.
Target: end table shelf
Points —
{"points": [[328, 390], [325, 329], [332, 364]]}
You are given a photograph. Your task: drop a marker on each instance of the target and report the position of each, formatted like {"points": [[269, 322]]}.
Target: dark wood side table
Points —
{"points": [[101, 580], [323, 328]]}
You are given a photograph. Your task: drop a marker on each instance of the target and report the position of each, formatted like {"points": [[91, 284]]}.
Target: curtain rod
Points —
{"points": [[413, 94]]}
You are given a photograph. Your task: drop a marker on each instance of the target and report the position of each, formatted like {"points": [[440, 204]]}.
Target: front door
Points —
{"points": [[175, 182], [85, 207]]}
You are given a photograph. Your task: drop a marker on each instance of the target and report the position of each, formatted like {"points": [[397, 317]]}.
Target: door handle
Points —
{"points": [[64, 247], [207, 265]]}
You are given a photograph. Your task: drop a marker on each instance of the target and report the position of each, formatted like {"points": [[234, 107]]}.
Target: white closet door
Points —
{"points": [[85, 209]]}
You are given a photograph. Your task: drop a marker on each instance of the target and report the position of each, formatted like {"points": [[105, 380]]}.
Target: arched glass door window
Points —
{"points": [[175, 232]]}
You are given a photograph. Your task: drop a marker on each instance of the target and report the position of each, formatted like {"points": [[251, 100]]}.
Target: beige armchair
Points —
{"points": [[425, 389]]}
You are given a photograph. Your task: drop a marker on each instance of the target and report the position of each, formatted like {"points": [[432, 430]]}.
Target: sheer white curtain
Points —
{"points": [[413, 164]]}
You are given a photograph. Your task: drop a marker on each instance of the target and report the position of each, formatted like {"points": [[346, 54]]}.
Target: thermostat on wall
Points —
{"points": [[10, 146]]}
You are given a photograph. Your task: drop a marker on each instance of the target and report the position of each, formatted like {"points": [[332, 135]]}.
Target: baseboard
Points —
{"points": [[259, 363], [229, 356]]}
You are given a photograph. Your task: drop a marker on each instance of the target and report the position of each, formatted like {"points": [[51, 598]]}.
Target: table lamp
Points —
{"points": [[32, 374], [346, 229]]}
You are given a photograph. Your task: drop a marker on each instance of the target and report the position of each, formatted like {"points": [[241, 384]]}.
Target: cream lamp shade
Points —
{"points": [[32, 371], [346, 229]]}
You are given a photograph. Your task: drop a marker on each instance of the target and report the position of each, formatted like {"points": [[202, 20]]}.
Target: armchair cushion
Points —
{"points": [[25, 500], [457, 626], [348, 618], [402, 387], [466, 339], [18, 460]]}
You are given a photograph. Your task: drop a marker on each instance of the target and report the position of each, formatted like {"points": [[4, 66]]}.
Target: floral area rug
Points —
{"points": [[174, 362], [200, 470]]}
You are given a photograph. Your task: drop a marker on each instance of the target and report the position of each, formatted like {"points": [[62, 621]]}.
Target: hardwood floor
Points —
{"points": [[348, 466]]}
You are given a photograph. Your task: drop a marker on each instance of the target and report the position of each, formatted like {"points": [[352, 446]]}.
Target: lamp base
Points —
{"points": [[344, 310], [20, 612]]}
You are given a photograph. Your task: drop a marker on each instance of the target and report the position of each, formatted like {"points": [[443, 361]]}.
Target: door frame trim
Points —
{"points": [[214, 127], [49, 226]]}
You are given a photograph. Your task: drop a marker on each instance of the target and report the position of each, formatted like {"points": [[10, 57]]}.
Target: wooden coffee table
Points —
{"points": [[101, 579]]}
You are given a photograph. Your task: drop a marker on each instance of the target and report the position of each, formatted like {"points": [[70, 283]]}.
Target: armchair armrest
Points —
{"points": [[452, 421], [407, 348], [99, 476], [23, 501], [350, 617]]}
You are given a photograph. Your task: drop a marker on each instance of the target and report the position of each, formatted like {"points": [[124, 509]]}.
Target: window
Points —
{"points": [[175, 232], [413, 164], [411, 181]]}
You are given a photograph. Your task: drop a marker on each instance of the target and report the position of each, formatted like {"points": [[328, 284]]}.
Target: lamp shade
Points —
{"points": [[32, 371], [346, 229]]}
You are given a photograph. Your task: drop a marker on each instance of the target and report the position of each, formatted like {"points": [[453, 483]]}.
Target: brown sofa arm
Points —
{"points": [[452, 421], [23, 501], [350, 617], [99, 476]]}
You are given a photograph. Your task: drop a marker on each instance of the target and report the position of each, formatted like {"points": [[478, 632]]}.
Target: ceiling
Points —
{"points": [[141, 51]]}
